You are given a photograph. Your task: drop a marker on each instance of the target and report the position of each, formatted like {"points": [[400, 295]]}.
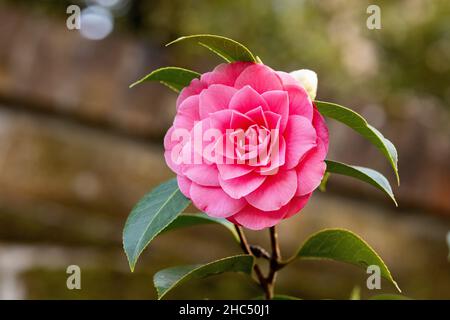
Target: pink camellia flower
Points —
{"points": [[247, 144]]}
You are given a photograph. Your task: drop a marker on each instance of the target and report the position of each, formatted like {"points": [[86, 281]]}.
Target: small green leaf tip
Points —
{"points": [[173, 77], [228, 49], [367, 175]]}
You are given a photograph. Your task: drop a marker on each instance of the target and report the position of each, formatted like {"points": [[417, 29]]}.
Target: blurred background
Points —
{"points": [[78, 148]]}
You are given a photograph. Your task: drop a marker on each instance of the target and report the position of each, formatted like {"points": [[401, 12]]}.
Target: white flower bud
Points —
{"points": [[308, 80]]}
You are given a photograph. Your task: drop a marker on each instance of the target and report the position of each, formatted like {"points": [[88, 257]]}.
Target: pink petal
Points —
{"points": [[202, 174], [259, 154], [299, 102], [297, 204], [211, 140], [225, 151], [187, 113], [221, 119], [195, 87], [275, 192], [255, 219], [173, 145], [215, 98], [184, 184], [176, 138], [232, 220], [277, 159], [268, 152], [198, 140], [260, 77], [257, 115], [225, 73], [311, 170], [175, 167], [321, 128], [278, 102], [214, 201], [242, 186], [274, 121], [240, 121], [168, 139], [247, 99], [231, 171], [300, 138]]}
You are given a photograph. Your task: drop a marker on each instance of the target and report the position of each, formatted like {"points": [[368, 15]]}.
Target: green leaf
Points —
{"points": [[345, 246], [187, 220], [167, 279], [228, 49], [360, 125], [370, 176], [389, 297], [173, 77], [154, 212]]}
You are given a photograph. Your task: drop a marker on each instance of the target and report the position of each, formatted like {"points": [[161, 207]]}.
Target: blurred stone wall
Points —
{"points": [[78, 149]]}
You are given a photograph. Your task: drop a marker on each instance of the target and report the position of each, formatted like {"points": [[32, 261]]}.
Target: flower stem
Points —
{"points": [[246, 248], [275, 263], [275, 259]]}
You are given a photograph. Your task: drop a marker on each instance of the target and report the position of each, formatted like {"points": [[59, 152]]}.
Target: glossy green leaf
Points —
{"points": [[345, 246], [370, 176], [173, 77], [360, 125], [188, 220], [228, 49], [167, 279], [153, 213]]}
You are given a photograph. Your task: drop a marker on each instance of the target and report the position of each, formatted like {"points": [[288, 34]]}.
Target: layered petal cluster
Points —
{"points": [[247, 144]]}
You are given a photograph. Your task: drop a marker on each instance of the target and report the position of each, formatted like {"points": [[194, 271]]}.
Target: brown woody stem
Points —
{"points": [[246, 248], [275, 259], [275, 263]]}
